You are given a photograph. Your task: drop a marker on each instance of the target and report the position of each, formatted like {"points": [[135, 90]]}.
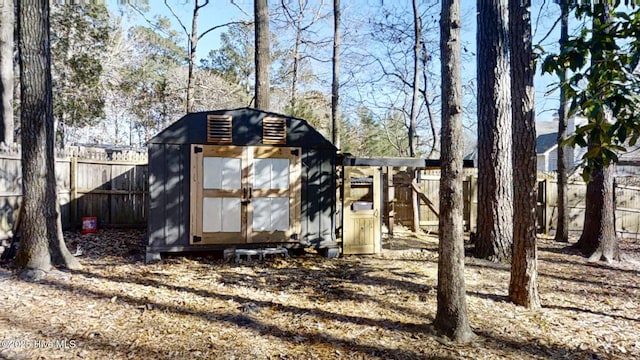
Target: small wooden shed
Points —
{"points": [[240, 178]]}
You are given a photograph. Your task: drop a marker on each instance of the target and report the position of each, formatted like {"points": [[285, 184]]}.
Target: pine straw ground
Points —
{"points": [[308, 307]]}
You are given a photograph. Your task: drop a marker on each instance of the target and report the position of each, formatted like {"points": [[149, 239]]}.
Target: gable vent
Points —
{"points": [[274, 130], [219, 129]]}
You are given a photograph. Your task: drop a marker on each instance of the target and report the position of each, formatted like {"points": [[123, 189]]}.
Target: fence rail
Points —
{"points": [[108, 184]]}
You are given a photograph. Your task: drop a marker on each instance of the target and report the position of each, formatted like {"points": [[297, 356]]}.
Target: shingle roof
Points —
{"points": [[546, 142]]}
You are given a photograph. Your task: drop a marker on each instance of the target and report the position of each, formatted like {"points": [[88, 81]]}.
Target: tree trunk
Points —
{"points": [[523, 286], [262, 58], [451, 317], [41, 231], [562, 228], [495, 186], [335, 81], [598, 240], [193, 45], [6, 71], [417, 37]]}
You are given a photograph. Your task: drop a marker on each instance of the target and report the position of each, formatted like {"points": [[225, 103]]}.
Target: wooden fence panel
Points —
{"points": [[627, 202], [91, 182]]}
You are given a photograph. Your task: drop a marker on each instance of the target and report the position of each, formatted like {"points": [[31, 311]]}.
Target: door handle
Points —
{"points": [[244, 193], [250, 193]]}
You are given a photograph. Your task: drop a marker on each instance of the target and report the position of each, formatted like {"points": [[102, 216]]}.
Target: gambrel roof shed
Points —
{"points": [[240, 178]]}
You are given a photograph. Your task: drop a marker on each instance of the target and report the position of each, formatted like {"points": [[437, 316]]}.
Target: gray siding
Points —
{"points": [[168, 195], [318, 198]]}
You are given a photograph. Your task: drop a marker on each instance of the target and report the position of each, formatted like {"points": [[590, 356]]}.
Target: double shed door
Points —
{"points": [[244, 194]]}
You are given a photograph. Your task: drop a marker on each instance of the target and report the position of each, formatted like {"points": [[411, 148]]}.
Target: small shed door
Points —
{"points": [[244, 194], [361, 210], [218, 191]]}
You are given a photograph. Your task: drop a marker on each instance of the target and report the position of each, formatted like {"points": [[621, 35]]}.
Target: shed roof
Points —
{"points": [[246, 129]]}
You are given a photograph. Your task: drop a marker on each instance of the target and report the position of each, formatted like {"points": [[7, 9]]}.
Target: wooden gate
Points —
{"points": [[361, 210], [244, 194]]}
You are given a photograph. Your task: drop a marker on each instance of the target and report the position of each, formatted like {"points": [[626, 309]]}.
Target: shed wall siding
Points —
{"points": [[318, 201], [169, 195]]}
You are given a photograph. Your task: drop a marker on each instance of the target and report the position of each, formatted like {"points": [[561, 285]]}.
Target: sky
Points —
{"points": [[222, 11]]}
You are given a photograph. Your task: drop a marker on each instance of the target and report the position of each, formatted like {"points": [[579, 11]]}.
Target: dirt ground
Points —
{"points": [[309, 307]]}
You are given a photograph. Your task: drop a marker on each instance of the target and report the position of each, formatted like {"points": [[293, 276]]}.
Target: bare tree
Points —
{"points": [[42, 244], [495, 186], [6, 71], [451, 317], [523, 286], [194, 37], [263, 57]]}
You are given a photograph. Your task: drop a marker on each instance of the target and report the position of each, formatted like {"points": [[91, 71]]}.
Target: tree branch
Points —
{"points": [[223, 25], [186, 32]]}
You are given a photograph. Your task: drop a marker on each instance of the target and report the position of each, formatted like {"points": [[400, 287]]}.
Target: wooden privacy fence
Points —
{"points": [[627, 193], [108, 184]]}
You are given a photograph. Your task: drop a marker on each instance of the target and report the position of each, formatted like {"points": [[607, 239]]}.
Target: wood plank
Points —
{"points": [[416, 188]]}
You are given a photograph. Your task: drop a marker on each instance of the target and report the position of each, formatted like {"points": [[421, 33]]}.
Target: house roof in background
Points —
{"points": [[546, 142]]}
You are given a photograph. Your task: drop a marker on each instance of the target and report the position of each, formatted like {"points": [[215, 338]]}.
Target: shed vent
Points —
{"points": [[274, 130], [219, 129]]}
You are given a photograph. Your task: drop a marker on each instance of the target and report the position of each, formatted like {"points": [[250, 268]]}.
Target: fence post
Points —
{"points": [[546, 207], [390, 200], [473, 203], [73, 193]]}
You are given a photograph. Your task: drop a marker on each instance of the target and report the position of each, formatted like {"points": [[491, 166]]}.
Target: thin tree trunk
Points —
{"points": [[417, 39], [562, 228], [6, 72], [262, 57], [451, 317], [193, 45], [335, 81], [296, 63], [495, 186], [523, 286]]}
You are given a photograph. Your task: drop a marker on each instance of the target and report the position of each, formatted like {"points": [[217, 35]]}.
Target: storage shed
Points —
{"points": [[240, 178]]}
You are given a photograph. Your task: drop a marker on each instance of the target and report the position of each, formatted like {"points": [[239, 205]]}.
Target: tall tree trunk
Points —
{"points": [[262, 58], [495, 186], [562, 228], [417, 40], [523, 286], [296, 61], [6, 71], [335, 81], [41, 243], [598, 239], [451, 317]]}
